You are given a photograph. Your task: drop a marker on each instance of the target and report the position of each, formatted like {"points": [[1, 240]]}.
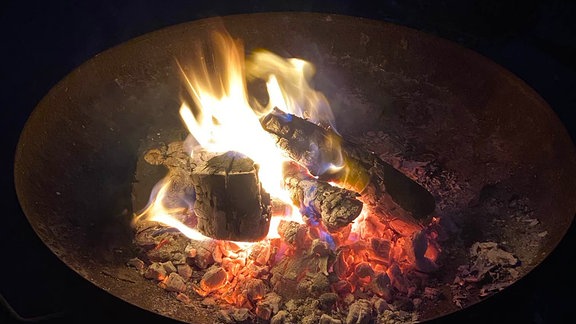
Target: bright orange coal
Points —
{"points": [[369, 259]]}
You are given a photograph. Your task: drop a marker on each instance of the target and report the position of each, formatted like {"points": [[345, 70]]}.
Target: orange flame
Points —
{"points": [[157, 211]]}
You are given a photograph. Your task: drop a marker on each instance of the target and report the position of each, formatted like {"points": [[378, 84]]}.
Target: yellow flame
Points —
{"points": [[226, 121], [222, 119], [157, 211], [288, 85]]}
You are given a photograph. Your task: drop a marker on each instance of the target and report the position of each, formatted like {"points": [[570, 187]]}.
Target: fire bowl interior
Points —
{"points": [[495, 137]]}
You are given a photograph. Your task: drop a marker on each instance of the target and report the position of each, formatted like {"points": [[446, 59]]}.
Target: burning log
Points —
{"points": [[230, 202], [329, 157], [314, 147], [348, 271], [335, 207]]}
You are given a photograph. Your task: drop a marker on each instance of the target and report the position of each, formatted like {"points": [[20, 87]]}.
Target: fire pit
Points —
{"points": [[444, 118]]}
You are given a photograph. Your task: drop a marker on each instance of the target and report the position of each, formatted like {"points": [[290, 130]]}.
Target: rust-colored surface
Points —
{"points": [[77, 154]]}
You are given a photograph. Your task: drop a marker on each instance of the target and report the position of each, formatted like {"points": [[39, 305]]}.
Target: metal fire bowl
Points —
{"points": [[77, 154]]}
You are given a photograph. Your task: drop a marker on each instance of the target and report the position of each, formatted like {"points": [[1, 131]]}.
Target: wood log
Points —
{"points": [[230, 202], [316, 148], [335, 207], [329, 157]]}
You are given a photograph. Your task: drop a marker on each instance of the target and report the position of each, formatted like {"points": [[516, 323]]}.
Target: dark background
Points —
{"points": [[42, 41]]}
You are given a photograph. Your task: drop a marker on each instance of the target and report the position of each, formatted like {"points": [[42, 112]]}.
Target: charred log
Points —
{"points": [[326, 155], [387, 180], [316, 148], [230, 202], [294, 234], [334, 207]]}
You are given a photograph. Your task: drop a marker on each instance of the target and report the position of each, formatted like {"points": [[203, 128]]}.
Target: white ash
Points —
{"points": [[234, 315], [168, 245], [201, 252], [155, 271], [174, 283], [327, 301], [268, 306], [491, 269], [360, 312], [185, 271], [168, 267], [241, 314], [183, 298], [380, 305], [209, 301], [393, 317], [431, 293], [280, 318], [380, 285], [419, 164], [327, 319]]}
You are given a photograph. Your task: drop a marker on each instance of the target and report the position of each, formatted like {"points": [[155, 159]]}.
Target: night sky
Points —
{"points": [[43, 41]]}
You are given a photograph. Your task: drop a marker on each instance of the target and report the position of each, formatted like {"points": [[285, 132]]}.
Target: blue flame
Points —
{"points": [[286, 117], [326, 237], [323, 234]]}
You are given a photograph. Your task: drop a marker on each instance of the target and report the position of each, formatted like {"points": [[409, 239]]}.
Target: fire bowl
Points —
{"points": [[494, 155]]}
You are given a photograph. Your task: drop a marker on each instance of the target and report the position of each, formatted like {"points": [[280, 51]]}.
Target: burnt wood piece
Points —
{"points": [[230, 202], [335, 207], [316, 148], [386, 179], [173, 156]]}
